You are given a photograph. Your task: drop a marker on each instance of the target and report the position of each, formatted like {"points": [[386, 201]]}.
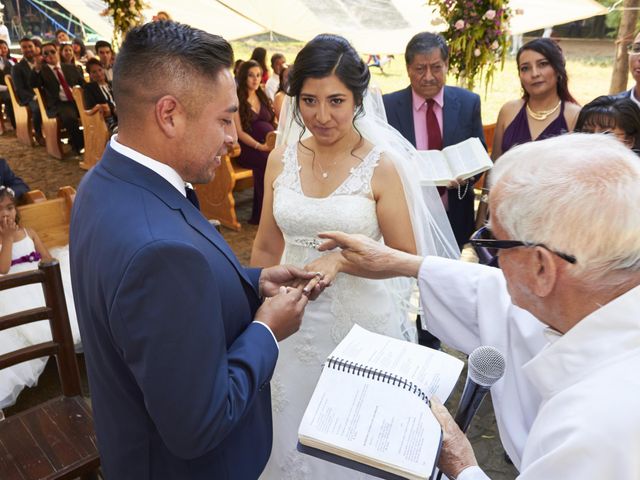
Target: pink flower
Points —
{"points": [[494, 45], [459, 24], [490, 14], [477, 52]]}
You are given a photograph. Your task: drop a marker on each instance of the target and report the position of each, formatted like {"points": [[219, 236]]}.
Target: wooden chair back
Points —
{"points": [[95, 131], [22, 115], [49, 218], [51, 129], [54, 440]]}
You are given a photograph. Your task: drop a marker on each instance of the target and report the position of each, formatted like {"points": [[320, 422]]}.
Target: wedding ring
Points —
{"points": [[319, 274]]}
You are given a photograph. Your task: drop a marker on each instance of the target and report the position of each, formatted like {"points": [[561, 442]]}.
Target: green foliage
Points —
{"points": [[477, 38], [126, 14]]}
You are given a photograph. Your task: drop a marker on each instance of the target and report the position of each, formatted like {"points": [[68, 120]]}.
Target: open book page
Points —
{"points": [[434, 168], [464, 160], [370, 404], [371, 422], [433, 371]]}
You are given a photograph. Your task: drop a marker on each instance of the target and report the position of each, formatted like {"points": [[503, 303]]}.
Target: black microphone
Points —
{"points": [[486, 366]]}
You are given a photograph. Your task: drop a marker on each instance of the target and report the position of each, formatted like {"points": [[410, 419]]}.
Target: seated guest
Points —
{"points": [[68, 57], [634, 69], [546, 108], [56, 80], [105, 53], [8, 179], [80, 51], [278, 63], [259, 54], [562, 309], [611, 114], [98, 94], [21, 76], [253, 120], [281, 94], [61, 37], [6, 64]]}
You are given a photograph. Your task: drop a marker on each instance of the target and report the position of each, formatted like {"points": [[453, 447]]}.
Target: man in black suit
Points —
{"points": [[56, 80], [432, 116], [21, 76]]}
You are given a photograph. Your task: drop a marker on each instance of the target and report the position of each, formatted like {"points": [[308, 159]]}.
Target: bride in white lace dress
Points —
{"points": [[333, 180]]}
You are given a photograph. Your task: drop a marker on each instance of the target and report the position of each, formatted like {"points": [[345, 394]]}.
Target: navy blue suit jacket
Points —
{"points": [[11, 180], [179, 374], [461, 120]]}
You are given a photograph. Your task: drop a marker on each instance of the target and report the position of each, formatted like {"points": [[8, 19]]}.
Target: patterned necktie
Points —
{"points": [[433, 133], [192, 197], [65, 85]]}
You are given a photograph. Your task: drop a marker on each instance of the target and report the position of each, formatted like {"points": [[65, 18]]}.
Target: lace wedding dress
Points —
{"points": [[374, 304]]}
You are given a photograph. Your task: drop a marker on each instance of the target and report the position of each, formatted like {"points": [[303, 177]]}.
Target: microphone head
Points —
{"points": [[486, 365]]}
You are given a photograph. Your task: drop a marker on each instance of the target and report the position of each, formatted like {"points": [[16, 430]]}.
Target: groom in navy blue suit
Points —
{"points": [[432, 115], [179, 345]]}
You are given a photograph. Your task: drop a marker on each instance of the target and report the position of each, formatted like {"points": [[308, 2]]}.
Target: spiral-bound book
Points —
{"points": [[370, 409]]}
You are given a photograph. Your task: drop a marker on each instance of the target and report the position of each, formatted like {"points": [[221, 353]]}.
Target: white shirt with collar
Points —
{"points": [[166, 172]]}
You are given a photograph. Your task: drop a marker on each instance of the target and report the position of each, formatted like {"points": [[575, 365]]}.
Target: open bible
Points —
{"points": [[370, 409], [464, 160]]}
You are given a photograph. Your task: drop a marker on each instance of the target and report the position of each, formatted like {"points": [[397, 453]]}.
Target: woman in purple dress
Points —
{"points": [[254, 119], [546, 108]]}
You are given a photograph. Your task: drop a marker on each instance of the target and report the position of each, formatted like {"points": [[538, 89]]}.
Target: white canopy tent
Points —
{"points": [[373, 26]]}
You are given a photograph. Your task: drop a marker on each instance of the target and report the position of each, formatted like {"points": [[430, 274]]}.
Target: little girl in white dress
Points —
{"points": [[20, 250]]}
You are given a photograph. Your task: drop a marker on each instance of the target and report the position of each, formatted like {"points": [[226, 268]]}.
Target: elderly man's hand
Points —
{"points": [[456, 454], [370, 258]]}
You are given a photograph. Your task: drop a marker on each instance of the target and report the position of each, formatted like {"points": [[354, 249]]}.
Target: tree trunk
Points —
{"points": [[625, 37]]}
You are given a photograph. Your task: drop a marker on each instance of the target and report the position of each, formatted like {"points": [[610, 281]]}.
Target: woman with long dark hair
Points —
{"points": [[80, 51], [254, 119], [337, 172], [546, 108], [259, 54]]}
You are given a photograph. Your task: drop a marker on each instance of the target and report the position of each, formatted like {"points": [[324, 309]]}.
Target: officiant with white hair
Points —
{"points": [[563, 308]]}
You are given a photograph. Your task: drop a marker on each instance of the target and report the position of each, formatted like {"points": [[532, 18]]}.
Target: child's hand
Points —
{"points": [[8, 227]]}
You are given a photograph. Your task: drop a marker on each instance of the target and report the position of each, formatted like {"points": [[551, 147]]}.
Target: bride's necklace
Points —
{"points": [[542, 114], [324, 173]]}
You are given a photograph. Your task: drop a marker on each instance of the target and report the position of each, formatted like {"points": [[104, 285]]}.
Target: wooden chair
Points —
{"points": [[22, 114], [51, 130], [216, 197], [49, 218], [54, 440], [95, 131]]}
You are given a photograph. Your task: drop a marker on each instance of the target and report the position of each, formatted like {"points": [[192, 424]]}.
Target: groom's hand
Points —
{"points": [[282, 312], [272, 278]]}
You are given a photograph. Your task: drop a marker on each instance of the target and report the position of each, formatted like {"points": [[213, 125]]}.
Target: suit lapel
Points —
{"points": [[405, 116], [132, 172], [450, 115]]}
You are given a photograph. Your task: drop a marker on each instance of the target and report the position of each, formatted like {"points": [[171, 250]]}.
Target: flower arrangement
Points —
{"points": [[477, 37], [126, 14]]}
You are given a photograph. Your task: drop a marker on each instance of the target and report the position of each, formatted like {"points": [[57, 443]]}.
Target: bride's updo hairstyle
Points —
{"points": [[326, 55]]}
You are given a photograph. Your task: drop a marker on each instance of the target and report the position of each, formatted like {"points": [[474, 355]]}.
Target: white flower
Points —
{"points": [[495, 45], [459, 24], [490, 14], [477, 52]]}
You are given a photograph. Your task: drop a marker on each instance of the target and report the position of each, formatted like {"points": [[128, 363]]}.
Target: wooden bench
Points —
{"points": [[51, 130], [22, 114], [49, 218], [216, 197], [95, 131], [56, 439], [481, 192]]}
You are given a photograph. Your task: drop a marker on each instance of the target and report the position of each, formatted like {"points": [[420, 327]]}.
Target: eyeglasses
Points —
{"points": [[634, 49], [486, 247], [46, 53]]}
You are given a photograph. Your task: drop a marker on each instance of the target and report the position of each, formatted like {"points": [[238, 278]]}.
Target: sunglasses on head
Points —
{"points": [[487, 247]]}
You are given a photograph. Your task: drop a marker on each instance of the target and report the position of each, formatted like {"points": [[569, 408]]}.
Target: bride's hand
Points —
{"points": [[328, 265]]}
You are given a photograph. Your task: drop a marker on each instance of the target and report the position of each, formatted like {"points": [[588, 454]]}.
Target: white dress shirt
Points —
{"points": [[272, 85]]}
